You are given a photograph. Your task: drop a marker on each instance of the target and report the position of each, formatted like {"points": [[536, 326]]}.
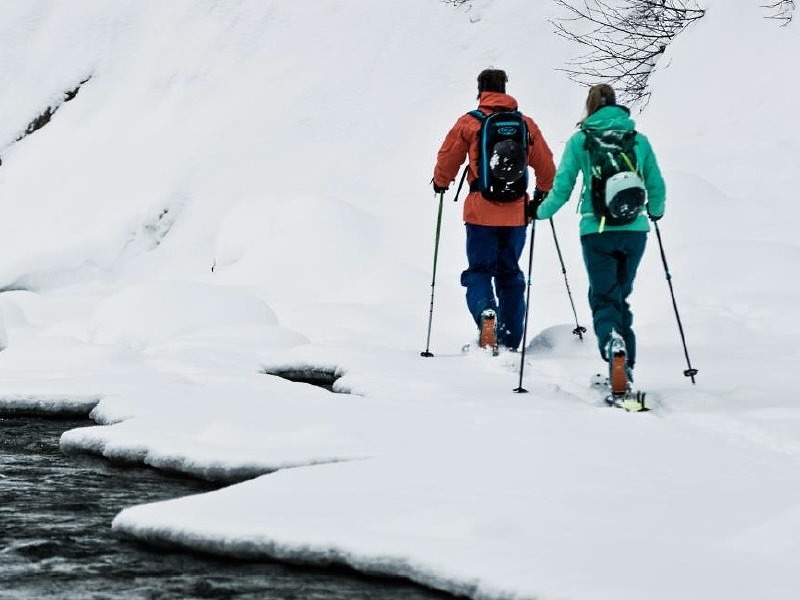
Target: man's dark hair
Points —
{"points": [[492, 80]]}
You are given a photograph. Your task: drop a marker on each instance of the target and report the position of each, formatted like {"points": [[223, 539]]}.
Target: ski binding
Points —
{"points": [[631, 400], [470, 347]]}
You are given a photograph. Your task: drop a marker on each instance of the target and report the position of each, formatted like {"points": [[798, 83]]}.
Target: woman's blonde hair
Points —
{"points": [[600, 95]]}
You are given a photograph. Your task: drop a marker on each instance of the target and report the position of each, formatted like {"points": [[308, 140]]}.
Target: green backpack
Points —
{"points": [[617, 189]]}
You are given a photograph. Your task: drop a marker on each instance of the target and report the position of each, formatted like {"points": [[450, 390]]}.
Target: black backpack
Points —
{"points": [[617, 189], [502, 156]]}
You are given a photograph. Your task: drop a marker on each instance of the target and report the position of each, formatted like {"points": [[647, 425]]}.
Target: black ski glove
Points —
{"points": [[654, 218], [533, 205], [438, 189]]}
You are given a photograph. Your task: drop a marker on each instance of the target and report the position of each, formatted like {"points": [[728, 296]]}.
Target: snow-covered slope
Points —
{"points": [[243, 186]]}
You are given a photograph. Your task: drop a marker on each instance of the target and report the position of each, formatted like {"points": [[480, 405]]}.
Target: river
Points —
{"points": [[56, 541]]}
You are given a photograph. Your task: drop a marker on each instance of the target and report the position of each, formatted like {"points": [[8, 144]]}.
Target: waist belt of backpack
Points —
{"points": [[475, 186]]}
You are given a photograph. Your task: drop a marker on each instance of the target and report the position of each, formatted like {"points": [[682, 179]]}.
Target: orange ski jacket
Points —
{"points": [[462, 141]]}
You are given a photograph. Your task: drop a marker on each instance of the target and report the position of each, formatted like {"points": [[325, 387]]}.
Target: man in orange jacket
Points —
{"points": [[495, 229]]}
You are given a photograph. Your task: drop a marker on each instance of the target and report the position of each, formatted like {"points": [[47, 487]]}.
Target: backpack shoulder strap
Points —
{"points": [[481, 116], [589, 139]]}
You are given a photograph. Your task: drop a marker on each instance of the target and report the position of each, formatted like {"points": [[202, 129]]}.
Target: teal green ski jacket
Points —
{"points": [[576, 160]]}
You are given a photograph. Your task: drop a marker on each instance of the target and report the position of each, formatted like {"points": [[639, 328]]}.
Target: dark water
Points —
{"points": [[56, 541]]}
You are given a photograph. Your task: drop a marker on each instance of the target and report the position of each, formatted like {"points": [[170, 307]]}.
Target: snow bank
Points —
{"points": [[138, 316]]}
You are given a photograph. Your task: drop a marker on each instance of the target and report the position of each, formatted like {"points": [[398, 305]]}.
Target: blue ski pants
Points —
{"points": [[611, 259], [494, 280]]}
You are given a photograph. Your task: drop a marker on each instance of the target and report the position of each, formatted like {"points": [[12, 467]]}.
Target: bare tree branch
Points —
{"points": [[782, 10], [625, 39]]}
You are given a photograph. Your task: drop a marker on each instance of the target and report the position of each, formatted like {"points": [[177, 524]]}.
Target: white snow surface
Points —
{"points": [[241, 188]]}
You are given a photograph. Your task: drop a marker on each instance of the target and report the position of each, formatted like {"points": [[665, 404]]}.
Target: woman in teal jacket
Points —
{"points": [[611, 253]]}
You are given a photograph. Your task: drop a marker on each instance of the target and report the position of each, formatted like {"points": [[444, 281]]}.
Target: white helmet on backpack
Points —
{"points": [[625, 195]]}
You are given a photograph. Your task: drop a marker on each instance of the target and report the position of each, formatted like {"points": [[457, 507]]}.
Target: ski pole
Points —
{"points": [[427, 353], [579, 329], [461, 183], [519, 389], [690, 372]]}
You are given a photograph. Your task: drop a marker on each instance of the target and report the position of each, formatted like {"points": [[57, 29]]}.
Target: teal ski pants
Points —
{"points": [[611, 259]]}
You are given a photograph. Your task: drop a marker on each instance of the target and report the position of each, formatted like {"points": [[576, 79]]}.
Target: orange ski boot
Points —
{"points": [[617, 361], [488, 331]]}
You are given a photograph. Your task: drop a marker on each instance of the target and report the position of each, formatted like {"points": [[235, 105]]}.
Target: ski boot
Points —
{"points": [[487, 337], [620, 377], [617, 365]]}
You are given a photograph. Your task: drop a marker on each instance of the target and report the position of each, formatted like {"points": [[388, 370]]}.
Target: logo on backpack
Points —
{"points": [[617, 190], [502, 156]]}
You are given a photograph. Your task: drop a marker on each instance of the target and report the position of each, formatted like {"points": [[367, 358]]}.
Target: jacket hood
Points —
{"points": [[610, 117], [495, 101]]}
